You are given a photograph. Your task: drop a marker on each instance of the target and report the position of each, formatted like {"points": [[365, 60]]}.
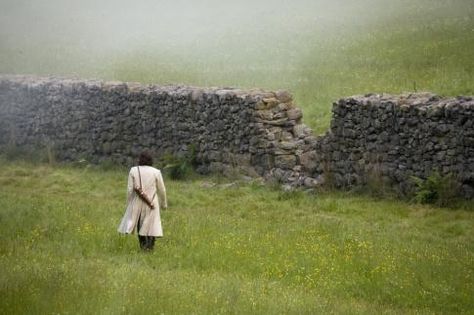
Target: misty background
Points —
{"points": [[320, 50]]}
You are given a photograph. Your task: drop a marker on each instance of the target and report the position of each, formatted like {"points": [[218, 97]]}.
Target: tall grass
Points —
{"points": [[227, 249]]}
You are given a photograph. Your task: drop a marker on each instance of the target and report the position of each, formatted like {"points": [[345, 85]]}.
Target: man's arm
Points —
{"points": [[160, 187], [130, 186]]}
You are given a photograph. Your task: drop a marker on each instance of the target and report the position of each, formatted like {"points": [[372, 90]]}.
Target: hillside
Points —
{"points": [[319, 50]]}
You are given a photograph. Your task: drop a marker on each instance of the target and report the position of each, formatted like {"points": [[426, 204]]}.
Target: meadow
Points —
{"points": [[236, 248], [229, 248]]}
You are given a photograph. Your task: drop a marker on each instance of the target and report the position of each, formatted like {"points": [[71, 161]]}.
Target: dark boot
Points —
{"points": [[143, 241], [150, 242]]}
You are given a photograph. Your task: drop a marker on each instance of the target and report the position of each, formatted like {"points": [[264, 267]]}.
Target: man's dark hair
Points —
{"points": [[145, 159]]}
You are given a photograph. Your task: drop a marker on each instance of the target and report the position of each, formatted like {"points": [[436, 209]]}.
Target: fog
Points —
{"points": [[92, 38]]}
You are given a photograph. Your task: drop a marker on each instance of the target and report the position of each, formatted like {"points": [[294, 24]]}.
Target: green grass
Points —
{"points": [[244, 249]]}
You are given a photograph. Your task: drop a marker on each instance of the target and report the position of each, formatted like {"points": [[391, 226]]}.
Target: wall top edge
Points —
{"points": [[34, 81], [406, 100]]}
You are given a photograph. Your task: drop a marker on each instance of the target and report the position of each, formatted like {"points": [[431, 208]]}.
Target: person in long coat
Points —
{"points": [[139, 215]]}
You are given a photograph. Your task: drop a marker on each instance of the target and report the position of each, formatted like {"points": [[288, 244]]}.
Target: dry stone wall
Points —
{"points": [[254, 132], [390, 139], [251, 131]]}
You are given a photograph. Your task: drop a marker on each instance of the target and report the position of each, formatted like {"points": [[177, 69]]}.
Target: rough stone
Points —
{"points": [[283, 96], [270, 102], [285, 161], [309, 161], [311, 182], [294, 114], [287, 145]]}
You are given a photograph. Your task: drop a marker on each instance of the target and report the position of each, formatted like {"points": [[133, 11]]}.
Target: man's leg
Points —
{"points": [[141, 239], [150, 242]]}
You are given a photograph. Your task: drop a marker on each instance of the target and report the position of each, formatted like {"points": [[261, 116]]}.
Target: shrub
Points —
{"points": [[182, 167], [12, 152], [33, 154], [177, 168], [379, 186], [107, 164], [436, 189]]}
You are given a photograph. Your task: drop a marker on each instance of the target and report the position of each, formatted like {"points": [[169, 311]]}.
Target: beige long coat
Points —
{"points": [[137, 209]]}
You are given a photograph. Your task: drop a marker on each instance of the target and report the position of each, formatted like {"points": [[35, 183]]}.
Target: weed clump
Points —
{"points": [[180, 167], [436, 189], [33, 154]]}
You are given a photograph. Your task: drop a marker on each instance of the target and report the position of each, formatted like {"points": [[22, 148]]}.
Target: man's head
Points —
{"points": [[145, 158]]}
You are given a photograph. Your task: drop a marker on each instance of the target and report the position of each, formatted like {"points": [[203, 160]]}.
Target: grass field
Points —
{"points": [[238, 249], [241, 249]]}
